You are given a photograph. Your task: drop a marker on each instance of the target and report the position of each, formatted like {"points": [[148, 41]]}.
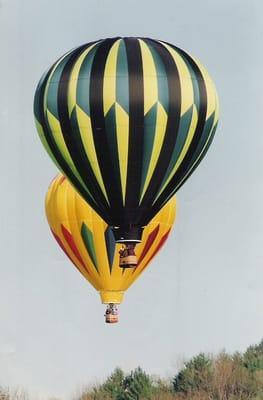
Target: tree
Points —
{"points": [[114, 385], [138, 386], [253, 357], [231, 379], [196, 375]]}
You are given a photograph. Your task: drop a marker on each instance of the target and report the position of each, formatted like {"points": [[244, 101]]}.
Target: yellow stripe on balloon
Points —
{"points": [[217, 110], [211, 99], [75, 229], [86, 134], [56, 214], [73, 82], [116, 277], [98, 227], [109, 80], [210, 88], [150, 83], [72, 220], [187, 92], [55, 128]]}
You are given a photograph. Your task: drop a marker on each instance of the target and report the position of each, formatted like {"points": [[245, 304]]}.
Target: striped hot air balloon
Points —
{"points": [[127, 120], [89, 242]]}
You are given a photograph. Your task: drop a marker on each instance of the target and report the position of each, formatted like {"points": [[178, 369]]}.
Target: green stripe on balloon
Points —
{"points": [[83, 83], [122, 80], [182, 135], [162, 82], [148, 140], [52, 89], [88, 241]]}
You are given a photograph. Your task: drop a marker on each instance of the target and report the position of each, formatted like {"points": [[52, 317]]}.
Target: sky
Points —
{"points": [[204, 291]]}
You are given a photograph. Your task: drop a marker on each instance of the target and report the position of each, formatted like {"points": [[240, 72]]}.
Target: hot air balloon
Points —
{"points": [[127, 120], [89, 242]]}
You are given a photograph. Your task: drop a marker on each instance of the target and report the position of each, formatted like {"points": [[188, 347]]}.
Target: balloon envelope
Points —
{"points": [[127, 120], [89, 243]]}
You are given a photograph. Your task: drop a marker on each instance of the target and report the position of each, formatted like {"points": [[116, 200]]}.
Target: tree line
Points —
{"points": [[204, 377], [237, 376]]}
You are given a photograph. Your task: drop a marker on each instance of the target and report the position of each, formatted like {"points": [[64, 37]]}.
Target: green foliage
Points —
{"points": [[137, 386], [114, 384], [253, 357], [194, 376], [224, 377]]}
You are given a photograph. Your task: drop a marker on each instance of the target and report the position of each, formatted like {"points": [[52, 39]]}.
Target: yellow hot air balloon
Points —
{"points": [[89, 242]]}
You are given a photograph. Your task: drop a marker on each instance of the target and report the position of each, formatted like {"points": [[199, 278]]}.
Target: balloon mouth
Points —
{"points": [[122, 240], [127, 234], [111, 296]]}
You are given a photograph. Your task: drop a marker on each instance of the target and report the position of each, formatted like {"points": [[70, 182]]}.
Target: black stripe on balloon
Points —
{"points": [[111, 181], [202, 156], [73, 139], [186, 163], [171, 133], [136, 129], [196, 165], [39, 111]]}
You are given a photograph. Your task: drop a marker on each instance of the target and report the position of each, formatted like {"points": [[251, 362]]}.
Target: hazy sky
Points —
{"points": [[204, 291]]}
